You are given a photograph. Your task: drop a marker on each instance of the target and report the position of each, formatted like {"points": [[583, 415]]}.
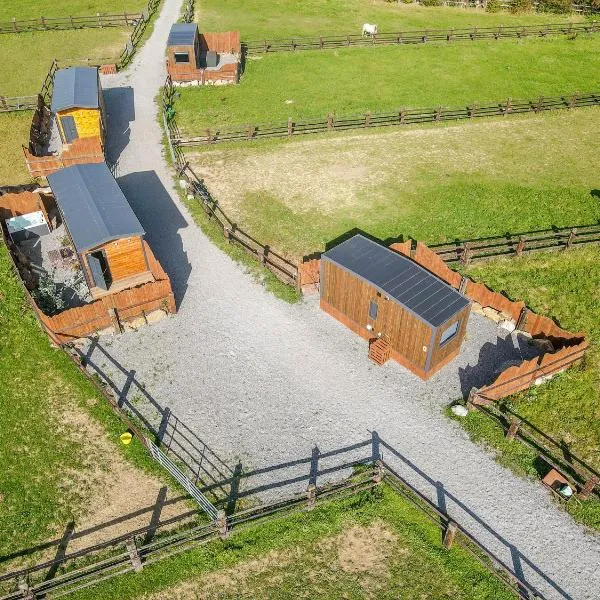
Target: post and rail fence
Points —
{"points": [[137, 34], [133, 551], [418, 36], [18, 103], [99, 20], [402, 116]]}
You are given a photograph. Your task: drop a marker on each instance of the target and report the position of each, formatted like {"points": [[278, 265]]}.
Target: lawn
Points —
{"points": [[355, 80], [59, 450], [564, 286], [31, 54], [32, 9], [435, 183], [376, 545], [14, 132], [262, 19]]}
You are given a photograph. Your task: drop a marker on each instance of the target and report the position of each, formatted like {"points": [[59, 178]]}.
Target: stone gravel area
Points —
{"points": [[263, 382]]}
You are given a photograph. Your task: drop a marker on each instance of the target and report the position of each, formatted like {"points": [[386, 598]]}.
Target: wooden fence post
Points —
{"points": [[513, 428], [208, 136], [588, 487], [520, 246], [368, 119], [378, 471], [221, 524], [14, 22], [330, 124], [134, 555], [522, 321], [571, 239], [462, 288], [508, 106], [250, 131], [465, 257], [450, 535], [114, 318], [472, 109], [290, 126], [311, 495], [539, 105], [402, 116], [573, 100], [438, 113]]}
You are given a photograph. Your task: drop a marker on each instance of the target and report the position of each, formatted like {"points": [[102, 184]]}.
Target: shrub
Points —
{"points": [[493, 6], [519, 6], [555, 6], [431, 2]]}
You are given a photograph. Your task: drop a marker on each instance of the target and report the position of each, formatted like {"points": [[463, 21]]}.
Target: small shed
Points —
{"points": [[183, 45], [78, 104], [406, 312], [105, 232]]}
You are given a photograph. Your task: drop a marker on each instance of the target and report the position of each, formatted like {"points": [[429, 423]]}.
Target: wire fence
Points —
{"points": [[420, 36], [402, 116], [99, 20]]}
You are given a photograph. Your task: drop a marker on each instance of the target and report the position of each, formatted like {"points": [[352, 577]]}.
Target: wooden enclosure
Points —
{"points": [[187, 50], [406, 312]]}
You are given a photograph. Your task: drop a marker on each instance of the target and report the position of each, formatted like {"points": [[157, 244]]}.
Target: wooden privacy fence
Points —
{"points": [[559, 238], [99, 20], [18, 103], [403, 116], [420, 36], [134, 551]]}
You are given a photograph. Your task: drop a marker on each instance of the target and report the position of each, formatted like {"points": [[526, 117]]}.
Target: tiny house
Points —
{"points": [[78, 105], [183, 47], [106, 234], [405, 312]]}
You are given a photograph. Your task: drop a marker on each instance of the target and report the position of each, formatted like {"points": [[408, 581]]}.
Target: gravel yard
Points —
{"points": [[263, 382]]}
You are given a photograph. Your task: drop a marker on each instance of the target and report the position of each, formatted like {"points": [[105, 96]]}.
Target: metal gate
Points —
{"points": [[163, 460]]}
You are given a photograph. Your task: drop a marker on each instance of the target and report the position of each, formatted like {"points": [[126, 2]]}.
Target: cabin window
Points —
{"points": [[182, 57], [449, 333], [373, 308]]}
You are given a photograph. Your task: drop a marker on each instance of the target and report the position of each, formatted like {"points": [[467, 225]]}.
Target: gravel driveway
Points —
{"points": [[264, 382]]}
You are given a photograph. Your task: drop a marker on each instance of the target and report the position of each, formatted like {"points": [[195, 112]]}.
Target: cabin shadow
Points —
{"points": [[495, 357], [120, 110], [162, 221]]}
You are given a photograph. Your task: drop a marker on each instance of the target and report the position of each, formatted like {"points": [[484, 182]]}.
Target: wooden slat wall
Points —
{"points": [[125, 258], [451, 347], [406, 334]]}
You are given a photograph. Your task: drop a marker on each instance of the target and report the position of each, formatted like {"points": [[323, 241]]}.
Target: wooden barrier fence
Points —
{"points": [[188, 11], [134, 551], [18, 103], [99, 20], [402, 116], [137, 34], [418, 37]]}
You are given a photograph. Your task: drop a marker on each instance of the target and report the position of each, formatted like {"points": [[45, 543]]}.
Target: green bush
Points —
{"points": [[555, 6], [431, 2], [493, 6], [520, 6]]}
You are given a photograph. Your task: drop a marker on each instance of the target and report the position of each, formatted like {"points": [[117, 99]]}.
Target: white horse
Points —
{"points": [[369, 30]]}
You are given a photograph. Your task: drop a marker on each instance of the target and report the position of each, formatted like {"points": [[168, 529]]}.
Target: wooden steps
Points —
{"points": [[379, 351]]}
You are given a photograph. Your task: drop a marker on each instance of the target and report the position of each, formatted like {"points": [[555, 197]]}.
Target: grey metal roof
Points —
{"points": [[93, 205], [75, 87], [182, 34], [400, 278]]}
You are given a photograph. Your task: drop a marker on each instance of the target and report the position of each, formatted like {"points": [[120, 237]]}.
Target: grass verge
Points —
{"points": [[373, 545], [350, 81], [564, 286], [55, 426], [33, 9], [270, 19], [14, 133]]}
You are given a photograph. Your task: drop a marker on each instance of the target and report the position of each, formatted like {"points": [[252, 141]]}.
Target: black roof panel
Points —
{"points": [[93, 206], [75, 87], [400, 278], [182, 34]]}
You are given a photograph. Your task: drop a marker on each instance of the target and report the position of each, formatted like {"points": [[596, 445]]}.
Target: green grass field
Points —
{"points": [[32, 9], [262, 19], [436, 183], [564, 286], [31, 54], [374, 546], [55, 430], [14, 132], [355, 80]]}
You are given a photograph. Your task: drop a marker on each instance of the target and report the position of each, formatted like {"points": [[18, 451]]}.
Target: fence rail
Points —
{"points": [[18, 103], [137, 34], [98, 20], [560, 238], [421, 36], [132, 552], [403, 116]]}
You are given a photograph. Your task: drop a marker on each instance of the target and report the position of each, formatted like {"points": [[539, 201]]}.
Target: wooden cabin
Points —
{"points": [[405, 312], [105, 232], [78, 104], [202, 58]]}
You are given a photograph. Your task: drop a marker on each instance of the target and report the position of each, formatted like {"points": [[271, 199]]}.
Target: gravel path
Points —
{"points": [[264, 382]]}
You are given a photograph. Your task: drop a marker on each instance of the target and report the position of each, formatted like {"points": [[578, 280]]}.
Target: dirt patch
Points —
{"points": [[366, 549]]}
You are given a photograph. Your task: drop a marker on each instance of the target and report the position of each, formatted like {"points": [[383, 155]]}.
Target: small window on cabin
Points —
{"points": [[449, 333], [373, 308], [182, 57]]}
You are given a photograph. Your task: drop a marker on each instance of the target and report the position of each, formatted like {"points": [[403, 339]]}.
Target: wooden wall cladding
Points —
{"points": [[126, 258]]}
